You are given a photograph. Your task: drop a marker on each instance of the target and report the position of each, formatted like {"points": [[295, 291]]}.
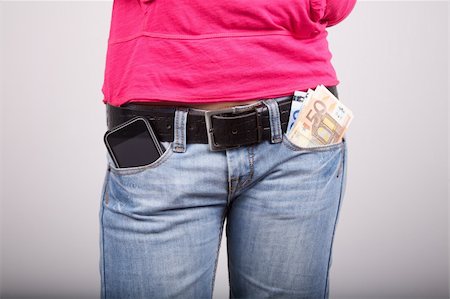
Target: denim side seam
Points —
{"points": [[105, 193], [341, 195], [104, 201], [344, 149]]}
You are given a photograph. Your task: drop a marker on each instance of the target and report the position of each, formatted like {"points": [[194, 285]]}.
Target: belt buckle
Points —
{"points": [[213, 146]]}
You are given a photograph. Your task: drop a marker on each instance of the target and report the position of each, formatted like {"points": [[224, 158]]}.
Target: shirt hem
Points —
{"points": [[246, 96]]}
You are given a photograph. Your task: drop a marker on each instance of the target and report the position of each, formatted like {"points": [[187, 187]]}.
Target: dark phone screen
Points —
{"points": [[133, 145]]}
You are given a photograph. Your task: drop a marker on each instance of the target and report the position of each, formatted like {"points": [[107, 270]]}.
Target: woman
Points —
{"points": [[241, 61]]}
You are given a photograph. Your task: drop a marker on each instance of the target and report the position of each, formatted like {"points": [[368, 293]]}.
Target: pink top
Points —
{"points": [[202, 51]]}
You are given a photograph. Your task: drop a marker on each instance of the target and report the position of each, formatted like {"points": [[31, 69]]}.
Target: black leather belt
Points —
{"points": [[230, 127]]}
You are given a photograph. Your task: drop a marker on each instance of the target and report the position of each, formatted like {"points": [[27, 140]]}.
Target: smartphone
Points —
{"points": [[133, 143]]}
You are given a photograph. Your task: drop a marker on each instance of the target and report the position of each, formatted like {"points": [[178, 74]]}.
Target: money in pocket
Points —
{"points": [[319, 119]]}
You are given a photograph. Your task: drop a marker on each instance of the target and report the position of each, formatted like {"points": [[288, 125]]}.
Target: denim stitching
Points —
{"points": [[180, 129], [251, 155], [183, 130], [342, 157], [103, 255], [176, 130], [106, 197], [232, 188], [275, 121], [177, 126], [341, 162], [251, 158], [341, 195], [104, 200]]}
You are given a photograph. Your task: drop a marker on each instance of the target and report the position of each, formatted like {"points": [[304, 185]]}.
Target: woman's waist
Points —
{"points": [[203, 106], [214, 105]]}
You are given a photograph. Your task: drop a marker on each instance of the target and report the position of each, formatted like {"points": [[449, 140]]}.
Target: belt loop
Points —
{"points": [[275, 120], [179, 133]]}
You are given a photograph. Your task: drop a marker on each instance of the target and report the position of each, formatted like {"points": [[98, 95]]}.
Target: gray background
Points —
{"points": [[392, 237]]}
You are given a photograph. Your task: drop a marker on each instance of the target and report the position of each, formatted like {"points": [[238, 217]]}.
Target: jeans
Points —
{"points": [[161, 224]]}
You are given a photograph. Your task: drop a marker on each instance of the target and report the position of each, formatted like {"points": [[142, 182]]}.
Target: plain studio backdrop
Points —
{"points": [[392, 236]]}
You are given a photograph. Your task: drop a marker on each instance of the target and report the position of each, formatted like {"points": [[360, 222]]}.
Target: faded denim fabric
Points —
{"points": [[161, 224]]}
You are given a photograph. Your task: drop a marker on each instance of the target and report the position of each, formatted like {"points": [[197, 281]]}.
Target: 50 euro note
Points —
{"points": [[323, 120]]}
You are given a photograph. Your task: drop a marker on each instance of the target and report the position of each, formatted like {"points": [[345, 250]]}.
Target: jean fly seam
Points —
{"points": [[251, 154], [341, 194], [232, 188]]}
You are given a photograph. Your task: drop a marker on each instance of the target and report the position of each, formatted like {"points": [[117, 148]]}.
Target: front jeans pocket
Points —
{"points": [[294, 147], [139, 169]]}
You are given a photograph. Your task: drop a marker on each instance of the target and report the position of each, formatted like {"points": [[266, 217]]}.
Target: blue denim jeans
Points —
{"points": [[161, 224]]}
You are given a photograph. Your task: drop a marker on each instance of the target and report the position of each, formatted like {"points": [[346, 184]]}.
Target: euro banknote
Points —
{"points": [[323, 119]]}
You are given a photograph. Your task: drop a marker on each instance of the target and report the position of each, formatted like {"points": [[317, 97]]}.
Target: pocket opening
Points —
{"points": [[292, 146], [138, 169]]}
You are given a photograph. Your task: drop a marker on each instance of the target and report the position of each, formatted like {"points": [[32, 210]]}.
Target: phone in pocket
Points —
{"points": [[133, 143]]}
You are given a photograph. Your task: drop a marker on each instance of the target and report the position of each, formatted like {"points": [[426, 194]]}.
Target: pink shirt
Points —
{"points": [[202, 51]]}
